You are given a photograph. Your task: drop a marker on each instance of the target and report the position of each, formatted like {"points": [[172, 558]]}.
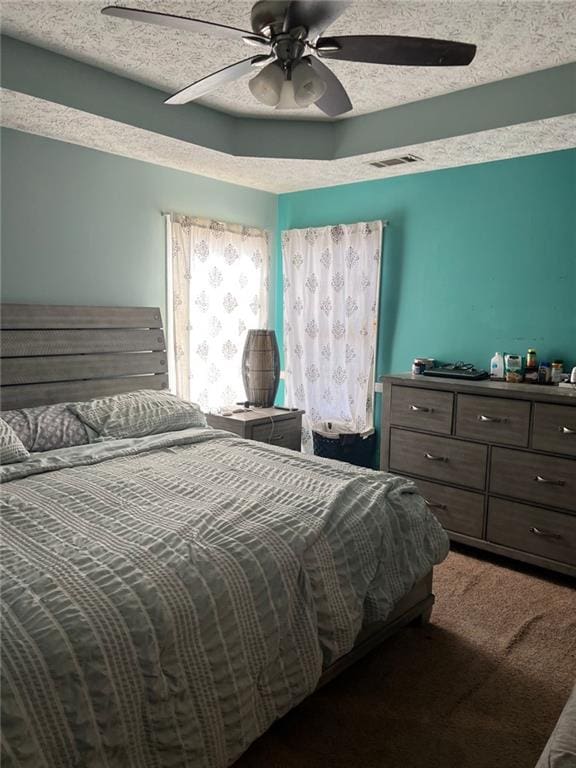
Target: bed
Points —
{"points": [[166, 597], [560, 749]]}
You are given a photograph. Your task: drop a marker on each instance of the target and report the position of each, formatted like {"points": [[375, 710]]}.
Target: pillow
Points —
{"points": [[11, 448], [46, 427], [136, 414]]}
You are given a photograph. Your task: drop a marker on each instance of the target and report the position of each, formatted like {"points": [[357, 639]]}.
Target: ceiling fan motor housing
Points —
{"points": [[288, 50]]}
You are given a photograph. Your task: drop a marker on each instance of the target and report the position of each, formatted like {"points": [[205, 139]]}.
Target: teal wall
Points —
{"points": [[476, 259], [84, 227]]}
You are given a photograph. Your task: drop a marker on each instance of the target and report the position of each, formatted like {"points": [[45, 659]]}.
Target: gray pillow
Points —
{"points": [[136, 414], [46, 427], [11, 448]]}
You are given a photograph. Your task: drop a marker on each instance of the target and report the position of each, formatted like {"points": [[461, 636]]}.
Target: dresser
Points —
{"points": [[495, 462], [266, 425]]}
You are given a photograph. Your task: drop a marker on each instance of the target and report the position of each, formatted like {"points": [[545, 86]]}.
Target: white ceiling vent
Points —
{"points": [[395, 161]]}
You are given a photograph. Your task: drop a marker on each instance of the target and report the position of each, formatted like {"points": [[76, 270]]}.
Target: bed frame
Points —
{"points": [[413, 608], [53, 354]]}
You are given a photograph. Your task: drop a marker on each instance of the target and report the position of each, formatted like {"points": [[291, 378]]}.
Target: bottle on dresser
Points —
{"points": [[497, 367], [531, 372], [514, 369], [557, 371], [544, 373]]}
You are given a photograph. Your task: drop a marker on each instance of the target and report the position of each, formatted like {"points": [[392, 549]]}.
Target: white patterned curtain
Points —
{"points": [[331, 295], [218, 281]]}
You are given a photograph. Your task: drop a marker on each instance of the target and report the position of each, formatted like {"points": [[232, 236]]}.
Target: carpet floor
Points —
{"points": [[480, 687]]}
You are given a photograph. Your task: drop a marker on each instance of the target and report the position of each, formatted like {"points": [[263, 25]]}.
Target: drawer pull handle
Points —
{"points": [[545, 534], [430, 457], [421, 408], [567, 431], [277, 438], [540, 479], [434, 505], [495, 419]]}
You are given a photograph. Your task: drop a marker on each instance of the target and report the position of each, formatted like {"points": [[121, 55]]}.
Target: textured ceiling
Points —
{"points": [[34, 115], [513, 37]]}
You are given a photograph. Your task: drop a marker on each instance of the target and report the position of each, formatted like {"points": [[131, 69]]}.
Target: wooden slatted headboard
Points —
{"points": [[54, 354]]}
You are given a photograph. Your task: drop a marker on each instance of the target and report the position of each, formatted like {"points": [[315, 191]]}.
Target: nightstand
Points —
{"points": [[266, 425]]}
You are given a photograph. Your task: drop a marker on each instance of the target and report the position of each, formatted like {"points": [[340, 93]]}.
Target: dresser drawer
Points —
{"points": [[494, 420], [422, 409], [457, 510], [542, 479], [286, 433], [554, 428], [530, 529], [439, 458]]}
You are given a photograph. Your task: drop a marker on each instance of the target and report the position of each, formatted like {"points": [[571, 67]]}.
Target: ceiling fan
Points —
{"points": [[290, 32]]}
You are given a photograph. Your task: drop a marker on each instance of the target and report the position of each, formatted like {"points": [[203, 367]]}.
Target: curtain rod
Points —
{"points": [[385, 222], [211, 218]]}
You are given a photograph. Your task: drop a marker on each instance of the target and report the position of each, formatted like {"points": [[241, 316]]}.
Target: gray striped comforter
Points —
{"points": [[165, 599]]}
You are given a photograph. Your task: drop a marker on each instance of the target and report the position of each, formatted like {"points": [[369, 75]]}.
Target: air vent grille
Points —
{"points": [[395, 161]]}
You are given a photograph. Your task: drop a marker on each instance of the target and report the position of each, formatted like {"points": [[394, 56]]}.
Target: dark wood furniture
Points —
{"points": [[54, 354], [496, 462], [266, 425]]}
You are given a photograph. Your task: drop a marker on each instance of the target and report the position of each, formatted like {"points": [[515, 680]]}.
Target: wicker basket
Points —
{"points": [[354, 447]]}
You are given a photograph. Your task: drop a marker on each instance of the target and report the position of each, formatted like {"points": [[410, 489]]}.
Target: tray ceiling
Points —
{"points": [[513, 37], [33, 115]]}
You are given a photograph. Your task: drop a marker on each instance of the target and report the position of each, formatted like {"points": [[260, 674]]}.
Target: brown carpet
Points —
{"points": [[480, 687]]}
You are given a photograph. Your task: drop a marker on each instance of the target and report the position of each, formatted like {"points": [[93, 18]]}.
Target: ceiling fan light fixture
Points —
{"points": [[288, 97], [272, 87], [308, 86], [266, 87]]}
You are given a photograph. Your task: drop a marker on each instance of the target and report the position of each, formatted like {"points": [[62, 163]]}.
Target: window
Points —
{"points": [[218, 290], [331, 284]]}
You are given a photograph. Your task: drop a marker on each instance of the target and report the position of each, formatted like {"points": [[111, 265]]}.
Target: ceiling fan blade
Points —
{"points": [[179, 22], [215, 80], [335, 100], [394, 50], [315, 15]]}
